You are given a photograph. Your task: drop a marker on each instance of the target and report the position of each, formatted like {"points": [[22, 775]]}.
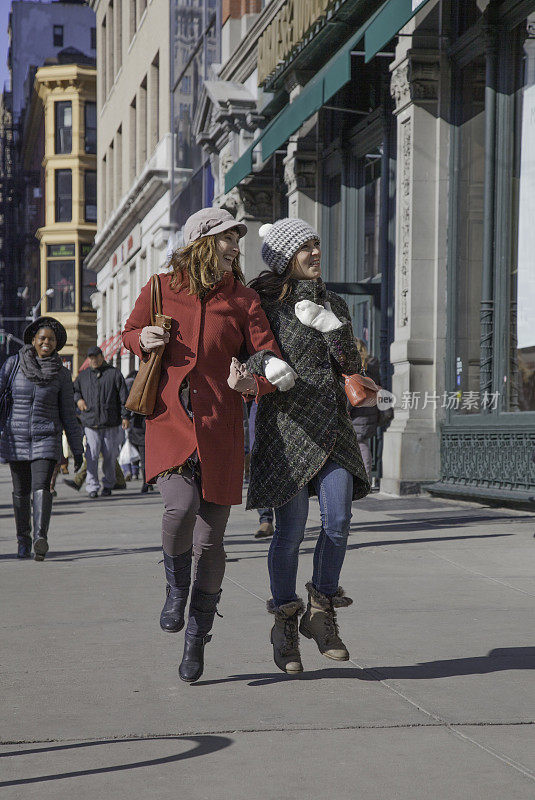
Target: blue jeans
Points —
{"points": [[334, 486], [265, 515]]}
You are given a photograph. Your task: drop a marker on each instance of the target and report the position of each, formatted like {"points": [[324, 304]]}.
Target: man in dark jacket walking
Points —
{"points": [[100, 393]]}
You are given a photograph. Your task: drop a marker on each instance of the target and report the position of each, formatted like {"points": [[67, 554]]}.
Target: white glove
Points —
{"points": [[152, 337], [279, 373], [314, 316]]}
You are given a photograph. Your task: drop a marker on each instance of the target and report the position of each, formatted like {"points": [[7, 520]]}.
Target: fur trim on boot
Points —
{"points": [[285, 635], [338, 600], [319, 622]]}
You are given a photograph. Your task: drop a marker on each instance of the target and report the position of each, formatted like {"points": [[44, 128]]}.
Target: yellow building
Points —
{"points": [[66, 93]]}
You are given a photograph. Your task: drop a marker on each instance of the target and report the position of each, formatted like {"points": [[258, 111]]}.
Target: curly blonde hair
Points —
{"points": [[197, 267]]}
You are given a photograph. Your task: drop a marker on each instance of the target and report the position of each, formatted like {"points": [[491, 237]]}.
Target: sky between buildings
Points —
{"points": [[5, 7]]}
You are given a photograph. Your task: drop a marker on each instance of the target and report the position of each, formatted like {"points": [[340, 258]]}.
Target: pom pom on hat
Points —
{"points": [[265, 229]]}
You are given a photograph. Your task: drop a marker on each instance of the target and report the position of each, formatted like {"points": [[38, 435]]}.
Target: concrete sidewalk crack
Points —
{"points": [[480, 574], [276, 729], [438, 720]]}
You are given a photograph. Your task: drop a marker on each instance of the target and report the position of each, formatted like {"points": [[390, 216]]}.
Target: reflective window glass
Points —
{"points": [[470, 171], [61, 280], [521, 367]]}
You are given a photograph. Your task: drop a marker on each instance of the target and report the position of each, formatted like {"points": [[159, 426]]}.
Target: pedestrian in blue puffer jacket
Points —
{"points": [[42, 406]]}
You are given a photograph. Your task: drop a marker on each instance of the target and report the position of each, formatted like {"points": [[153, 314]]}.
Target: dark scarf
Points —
{"points": [[314, 290], [38, 370]]}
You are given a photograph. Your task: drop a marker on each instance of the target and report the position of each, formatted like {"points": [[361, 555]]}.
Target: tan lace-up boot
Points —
{"points": [[285, 636], [319, 622]]}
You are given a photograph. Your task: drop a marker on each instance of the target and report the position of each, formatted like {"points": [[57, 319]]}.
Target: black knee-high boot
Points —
{"points": [[178, 576], [202, 610], [22, 511], [42, 509]]}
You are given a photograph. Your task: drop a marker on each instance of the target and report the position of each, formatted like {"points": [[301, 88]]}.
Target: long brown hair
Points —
{"points": [[363, 351], [275, 285], [197, 266]]}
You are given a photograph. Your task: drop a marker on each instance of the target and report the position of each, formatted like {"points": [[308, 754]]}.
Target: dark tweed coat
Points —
{"points": [[298, 430]]}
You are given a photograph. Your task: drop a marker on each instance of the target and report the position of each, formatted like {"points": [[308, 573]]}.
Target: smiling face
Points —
{"points": [[45, 342], [307, 261], [227, 248]]}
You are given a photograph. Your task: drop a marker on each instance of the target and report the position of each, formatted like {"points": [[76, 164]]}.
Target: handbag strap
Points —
{"points": [[155, 298]]}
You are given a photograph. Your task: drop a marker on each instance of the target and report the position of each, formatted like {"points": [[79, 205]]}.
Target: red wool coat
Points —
{"points": [[204, 338]]}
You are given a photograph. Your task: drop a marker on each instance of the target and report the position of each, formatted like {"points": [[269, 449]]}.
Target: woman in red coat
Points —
{"points": [[194, 438]]}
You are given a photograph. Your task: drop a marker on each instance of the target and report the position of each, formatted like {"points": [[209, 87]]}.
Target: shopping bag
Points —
{"points": [[128, 452]]}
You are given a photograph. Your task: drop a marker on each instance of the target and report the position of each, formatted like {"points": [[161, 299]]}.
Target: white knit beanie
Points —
{"points": [[283, 239]]}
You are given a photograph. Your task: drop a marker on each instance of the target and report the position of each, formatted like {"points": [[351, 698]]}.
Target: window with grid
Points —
{"points": [[90, 121], [63, 126], [90, 195], [63, 195]]}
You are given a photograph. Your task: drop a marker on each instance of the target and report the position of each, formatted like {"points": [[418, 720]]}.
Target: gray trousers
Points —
{"points": [[105, 441], [189, 520]]}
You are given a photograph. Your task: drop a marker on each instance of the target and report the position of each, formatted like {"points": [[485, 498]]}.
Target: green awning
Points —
{"points": [[292, 117], [389, 21], [240, 170], [319, 90]]}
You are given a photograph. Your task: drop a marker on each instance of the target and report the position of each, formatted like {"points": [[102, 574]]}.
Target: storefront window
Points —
{"points": [[61, 279], [470, 171], [331, 242], [369, 227], [521, 379]]}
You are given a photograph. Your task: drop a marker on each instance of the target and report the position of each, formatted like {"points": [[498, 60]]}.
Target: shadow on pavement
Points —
{"points": [[498, 660], [62, 555], [54, 513], [361, 545], [203, 745]]}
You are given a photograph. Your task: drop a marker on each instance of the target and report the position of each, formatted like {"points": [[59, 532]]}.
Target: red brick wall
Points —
{"points": [[238, 8]]}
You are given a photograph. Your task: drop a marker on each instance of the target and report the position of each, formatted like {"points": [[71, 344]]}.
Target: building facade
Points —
{"points": [[153, 59], [37, 32], [61, 126], [403, 131], [134, 153]]}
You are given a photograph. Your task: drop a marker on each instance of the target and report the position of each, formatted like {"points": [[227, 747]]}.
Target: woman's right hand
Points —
{"points": [[152, 337]]}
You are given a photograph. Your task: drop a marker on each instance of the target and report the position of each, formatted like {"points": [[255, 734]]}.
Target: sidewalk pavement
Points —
{"points": [[437, 701]]}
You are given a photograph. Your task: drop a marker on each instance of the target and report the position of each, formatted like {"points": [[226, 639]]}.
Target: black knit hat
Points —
{"points": [[46, 322]]}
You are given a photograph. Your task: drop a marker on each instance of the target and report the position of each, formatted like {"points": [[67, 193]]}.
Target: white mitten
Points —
{"points": [[279, 373], [152, 337], [315, 316]]}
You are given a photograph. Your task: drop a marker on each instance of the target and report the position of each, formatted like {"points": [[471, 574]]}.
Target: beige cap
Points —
{"points": [[208, 222]]}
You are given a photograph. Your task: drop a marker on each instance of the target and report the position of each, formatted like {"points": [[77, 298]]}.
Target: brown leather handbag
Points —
{"points": [[361, 390], [142, 397]]}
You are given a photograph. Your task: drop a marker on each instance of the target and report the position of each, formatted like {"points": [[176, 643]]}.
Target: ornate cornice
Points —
{"points": [[416, 79], [225, 108]]}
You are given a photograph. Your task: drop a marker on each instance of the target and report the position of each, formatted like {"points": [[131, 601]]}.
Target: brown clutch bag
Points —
{"points": [[142, 397], [361, 390]]}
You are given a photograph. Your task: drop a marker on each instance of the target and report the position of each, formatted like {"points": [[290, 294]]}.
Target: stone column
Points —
{"points": [[301, 174], [252, 204], [411, 453]]}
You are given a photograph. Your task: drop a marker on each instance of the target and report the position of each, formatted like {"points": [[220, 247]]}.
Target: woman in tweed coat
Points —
{"points": [[305, 443]]}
